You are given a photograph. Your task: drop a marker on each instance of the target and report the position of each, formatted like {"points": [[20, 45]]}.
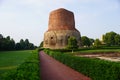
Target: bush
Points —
{"points": [[29, 70], [39, 49], [96, 69]]}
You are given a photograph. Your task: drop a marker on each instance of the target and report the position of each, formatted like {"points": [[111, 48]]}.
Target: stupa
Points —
{"points": [[61, 26]]}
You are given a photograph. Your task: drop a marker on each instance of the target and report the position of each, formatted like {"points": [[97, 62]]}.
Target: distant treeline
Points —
{"points": [[108, 39], [7, 43]]}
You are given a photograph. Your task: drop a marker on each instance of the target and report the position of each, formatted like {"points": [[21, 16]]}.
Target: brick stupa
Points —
{"points": [[61, 27]]}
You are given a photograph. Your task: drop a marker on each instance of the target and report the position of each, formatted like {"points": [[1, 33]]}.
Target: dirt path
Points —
{"points": [[54, 70]]}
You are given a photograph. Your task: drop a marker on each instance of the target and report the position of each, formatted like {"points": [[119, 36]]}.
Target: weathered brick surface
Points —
{"points": [[61, 19]]}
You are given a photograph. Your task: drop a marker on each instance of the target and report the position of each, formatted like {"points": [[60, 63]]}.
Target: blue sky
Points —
{"points": [[23, 19]]}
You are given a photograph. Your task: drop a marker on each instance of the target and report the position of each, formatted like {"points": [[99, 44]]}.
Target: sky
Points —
{"points": [[28, 19]]}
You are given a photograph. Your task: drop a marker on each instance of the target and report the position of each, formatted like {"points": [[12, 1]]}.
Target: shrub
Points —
{"points": [[96, 69]]}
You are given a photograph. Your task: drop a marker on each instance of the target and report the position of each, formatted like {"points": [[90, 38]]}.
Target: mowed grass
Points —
{"points": [[10, 60], [96, 51], [99, 51]]}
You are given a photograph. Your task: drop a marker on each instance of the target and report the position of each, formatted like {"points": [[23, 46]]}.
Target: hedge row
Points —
{"points": [[96, 69], [29, 70]]}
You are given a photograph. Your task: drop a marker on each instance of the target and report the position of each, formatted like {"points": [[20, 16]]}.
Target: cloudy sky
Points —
{"points": [[23, 19]]}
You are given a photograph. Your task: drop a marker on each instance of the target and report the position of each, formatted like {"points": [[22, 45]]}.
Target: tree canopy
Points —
{"points": [[72, 43], [111, 38], [97, 43], [117, 39], [41, 44], [85, 41], [7, 43]]}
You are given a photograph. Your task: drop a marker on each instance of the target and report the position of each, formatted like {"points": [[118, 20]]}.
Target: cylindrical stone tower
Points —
{"points": [[61, 27]]}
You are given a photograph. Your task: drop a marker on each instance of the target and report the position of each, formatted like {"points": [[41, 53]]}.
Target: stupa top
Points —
{"points": [[61, 19], [60, 10]]}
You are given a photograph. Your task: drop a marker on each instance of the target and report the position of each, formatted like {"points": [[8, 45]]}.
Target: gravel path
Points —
{"points": [[54, 70]]}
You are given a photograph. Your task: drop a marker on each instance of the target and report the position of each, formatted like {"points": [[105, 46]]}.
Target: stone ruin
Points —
{"points": [[61, 27]]}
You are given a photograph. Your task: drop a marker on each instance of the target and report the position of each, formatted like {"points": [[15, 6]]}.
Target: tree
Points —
{"points": [[91, 41], [1, 36], [31, 46], [3, 44], [97, 43], [109, 38], [8, 37], [26, 44], [41, 44], [22, 44], [18, 46], [85, 41], [72, 43], [11, 44], [117, 39]]}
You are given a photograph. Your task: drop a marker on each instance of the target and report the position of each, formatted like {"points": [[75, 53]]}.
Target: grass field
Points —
{"points": [[94, 51], [99, 50], [10, 60]]}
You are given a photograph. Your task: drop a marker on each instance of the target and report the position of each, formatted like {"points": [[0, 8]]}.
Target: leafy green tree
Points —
{"points": [[26, 41], [8, 37], [3, 44], [41, 44], [117, 39], [31, 46], [91, 41], [26, 44], [97, 43], [7, 43], [18, 46], [1, 36], [72, 43], [11, 44], [85, 41], [22, 44], [109, 38]]}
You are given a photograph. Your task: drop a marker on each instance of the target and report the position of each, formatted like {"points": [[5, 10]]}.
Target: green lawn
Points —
{"points": [[84, 51], [10, 60], [99, 50]]}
